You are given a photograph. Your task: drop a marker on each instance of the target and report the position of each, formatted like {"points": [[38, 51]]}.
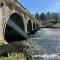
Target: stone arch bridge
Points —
{"points": [[13, 16]]}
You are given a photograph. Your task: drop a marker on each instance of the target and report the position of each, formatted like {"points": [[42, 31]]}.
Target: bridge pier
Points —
{"points": [[2, 40]]}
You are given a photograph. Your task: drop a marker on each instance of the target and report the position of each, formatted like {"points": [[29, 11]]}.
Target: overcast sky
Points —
{"points": [[41, 5]]}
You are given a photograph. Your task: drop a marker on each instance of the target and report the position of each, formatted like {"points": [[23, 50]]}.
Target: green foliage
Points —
{"points": [[20, 56], [37, 16], [43, 16], [48, 19], [48, 16]]}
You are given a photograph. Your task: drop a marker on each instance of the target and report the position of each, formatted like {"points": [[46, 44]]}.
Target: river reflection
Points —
{"points": [[48, 41]]}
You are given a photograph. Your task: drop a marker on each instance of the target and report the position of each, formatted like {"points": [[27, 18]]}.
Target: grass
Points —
{"points": [[57, 25], [51, 25], [20, 56]]}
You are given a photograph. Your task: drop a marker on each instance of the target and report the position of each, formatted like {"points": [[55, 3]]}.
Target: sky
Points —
{"points": [[41, 5]]}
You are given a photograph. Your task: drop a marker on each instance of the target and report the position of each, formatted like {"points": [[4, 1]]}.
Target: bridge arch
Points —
{"points": [[33, 25], [29, 26], [10, 33], [36, 25]]}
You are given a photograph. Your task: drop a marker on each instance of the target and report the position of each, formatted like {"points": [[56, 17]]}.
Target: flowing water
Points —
{"points": [[47, 43]]}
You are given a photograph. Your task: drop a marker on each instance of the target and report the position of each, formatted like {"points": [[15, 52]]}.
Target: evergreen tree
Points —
{"points": [[43, 17]]}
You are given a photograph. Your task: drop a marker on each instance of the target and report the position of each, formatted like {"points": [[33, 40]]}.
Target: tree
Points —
{"points": [[48, 16], [43, 17], [37, 16], [55, 16]]}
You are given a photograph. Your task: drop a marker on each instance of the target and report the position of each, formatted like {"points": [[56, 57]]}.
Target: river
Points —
{"points": [[47, 43]]}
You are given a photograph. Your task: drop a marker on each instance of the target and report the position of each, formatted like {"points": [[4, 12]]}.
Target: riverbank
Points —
{"points": [[15, 51], [51, 25], [20, 56]]}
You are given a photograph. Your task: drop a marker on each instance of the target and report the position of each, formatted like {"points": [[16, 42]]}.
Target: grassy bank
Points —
{"points": [[20, 56], [57, 25], [51, 25], [15, 51]]}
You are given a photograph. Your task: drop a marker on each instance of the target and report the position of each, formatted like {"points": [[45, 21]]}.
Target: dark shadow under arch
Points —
{"points": [[33, 25], [10, 33], [36, 25], [29, 26]]}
